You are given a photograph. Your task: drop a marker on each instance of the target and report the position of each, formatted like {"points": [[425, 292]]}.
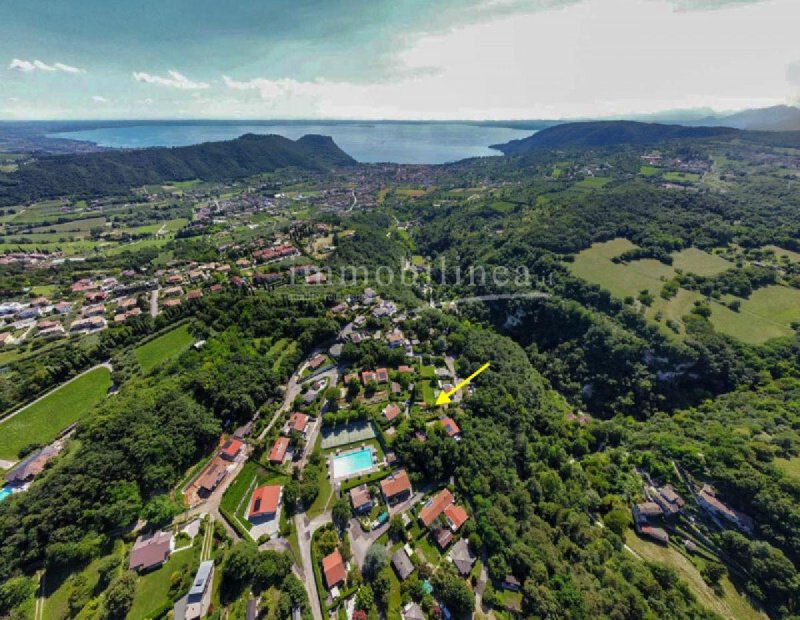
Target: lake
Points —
{"points": [[368, 142]]}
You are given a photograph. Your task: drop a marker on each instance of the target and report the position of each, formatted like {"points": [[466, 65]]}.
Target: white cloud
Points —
{"points": [[175, 80], [99, 99], [27, 66], [598, 57]]}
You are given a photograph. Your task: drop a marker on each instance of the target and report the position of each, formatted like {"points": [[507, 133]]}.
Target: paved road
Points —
{"points": [[360, 540], [305, 530], [154, 303]]}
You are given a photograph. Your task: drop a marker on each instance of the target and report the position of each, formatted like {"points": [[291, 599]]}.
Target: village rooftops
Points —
{"points": [[360, 498], [456, 516], [333, 569], [368, 376], [298, 422], [450, 427], [382, 375]]}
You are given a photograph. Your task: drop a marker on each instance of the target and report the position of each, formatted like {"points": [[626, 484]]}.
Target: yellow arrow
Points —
{"points": [[444, 397]]}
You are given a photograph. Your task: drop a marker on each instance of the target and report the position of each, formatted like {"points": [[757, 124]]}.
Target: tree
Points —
{"points": [[14, 592], [453, 591], [365, 600], [342, 512], [160, 510], [397, 531], [119, 596], [375, 561], [381, 585], [327, 541]]}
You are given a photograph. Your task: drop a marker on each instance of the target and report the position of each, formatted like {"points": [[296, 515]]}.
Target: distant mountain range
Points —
{"points": [[775, 118], [593, 134], [112, 171]]}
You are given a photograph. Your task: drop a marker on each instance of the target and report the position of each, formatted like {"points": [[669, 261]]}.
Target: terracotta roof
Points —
{"points": [[278, 452], [450, 426], [435, 506], [443, 537], [382, 375], [333, 569], [212, 476], [396, 484], [298, 421], [391, 411], [456, 515], [231, 448], [405, 368], [265, 501]]}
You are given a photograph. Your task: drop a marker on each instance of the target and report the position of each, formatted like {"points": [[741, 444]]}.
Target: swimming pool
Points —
{"points": [[4, 492], [352, 463]]}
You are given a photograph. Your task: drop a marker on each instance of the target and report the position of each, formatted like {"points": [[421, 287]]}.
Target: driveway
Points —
{"points": [[305, 530]]}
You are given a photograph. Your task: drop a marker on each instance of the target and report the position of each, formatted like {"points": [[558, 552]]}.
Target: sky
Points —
{"points": [[393, 59]]}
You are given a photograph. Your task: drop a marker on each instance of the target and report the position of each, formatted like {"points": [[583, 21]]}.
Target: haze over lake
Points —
{"points": [[368, 142]]}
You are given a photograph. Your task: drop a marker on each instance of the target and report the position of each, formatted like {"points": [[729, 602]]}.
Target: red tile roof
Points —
{"points": [[456, 515], [382, 374], [391, 411], [298, 421], [450, 426], [231, 448], [278, 452], [368, 376], [435, 506], [265, 501], [333, 568], [396, 484]]}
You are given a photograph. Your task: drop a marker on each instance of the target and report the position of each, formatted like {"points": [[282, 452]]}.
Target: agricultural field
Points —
{"points": [[768, 313], [164, 347], [594, 265], [41, 421], [731, 605], [698, 262]]}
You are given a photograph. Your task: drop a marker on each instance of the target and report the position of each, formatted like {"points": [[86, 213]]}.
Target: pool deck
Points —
{"points": [[376, 464]]}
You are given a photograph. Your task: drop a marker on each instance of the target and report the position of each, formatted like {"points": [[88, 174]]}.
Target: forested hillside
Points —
{"points": [[109, 172]]}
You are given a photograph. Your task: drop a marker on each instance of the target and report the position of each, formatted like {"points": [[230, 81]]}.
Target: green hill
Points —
{"points": [[95, 174]]}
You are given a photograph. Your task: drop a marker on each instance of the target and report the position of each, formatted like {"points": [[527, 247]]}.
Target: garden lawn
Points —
{"points": [[43, 420], [152, 589], [164, 347]]}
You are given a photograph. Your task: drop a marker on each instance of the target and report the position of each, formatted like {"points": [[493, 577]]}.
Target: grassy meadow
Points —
{"points": [[164, 347], [43, 420]]}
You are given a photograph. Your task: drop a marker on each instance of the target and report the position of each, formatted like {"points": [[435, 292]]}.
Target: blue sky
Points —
{"points": [[402, 59]]}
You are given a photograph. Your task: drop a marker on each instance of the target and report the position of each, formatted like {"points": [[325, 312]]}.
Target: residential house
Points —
{"points": [[412, 611], [194, 294], [510, 582], [278, 452], [210, 478], [172, 303], [455, 516], [231, 449], [666, 497], [442, 536], [462, 557], [382, 375], [391, 411], [32, 465], [93, 310], [435, 506], [402, 564], [707, 499], [265, 503], [333, 569], [450, 427], [396, 487], [298, 422], [150, 551], [656, 533], [197, 602], [316, 361], [367, 376], [360, 499]]}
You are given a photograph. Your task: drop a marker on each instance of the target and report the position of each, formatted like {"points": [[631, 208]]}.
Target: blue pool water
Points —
{"points": [[352, 463], [4, 492]]}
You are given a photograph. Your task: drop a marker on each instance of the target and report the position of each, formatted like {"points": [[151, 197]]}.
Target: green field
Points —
{"points": [[681, 177], [673, 309], [166, 346], [592, 183], [767, 313], [793, 257], [152, 589], [43, 420], [594, 265], [649, 171], [731, 605], [698, 262]]}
